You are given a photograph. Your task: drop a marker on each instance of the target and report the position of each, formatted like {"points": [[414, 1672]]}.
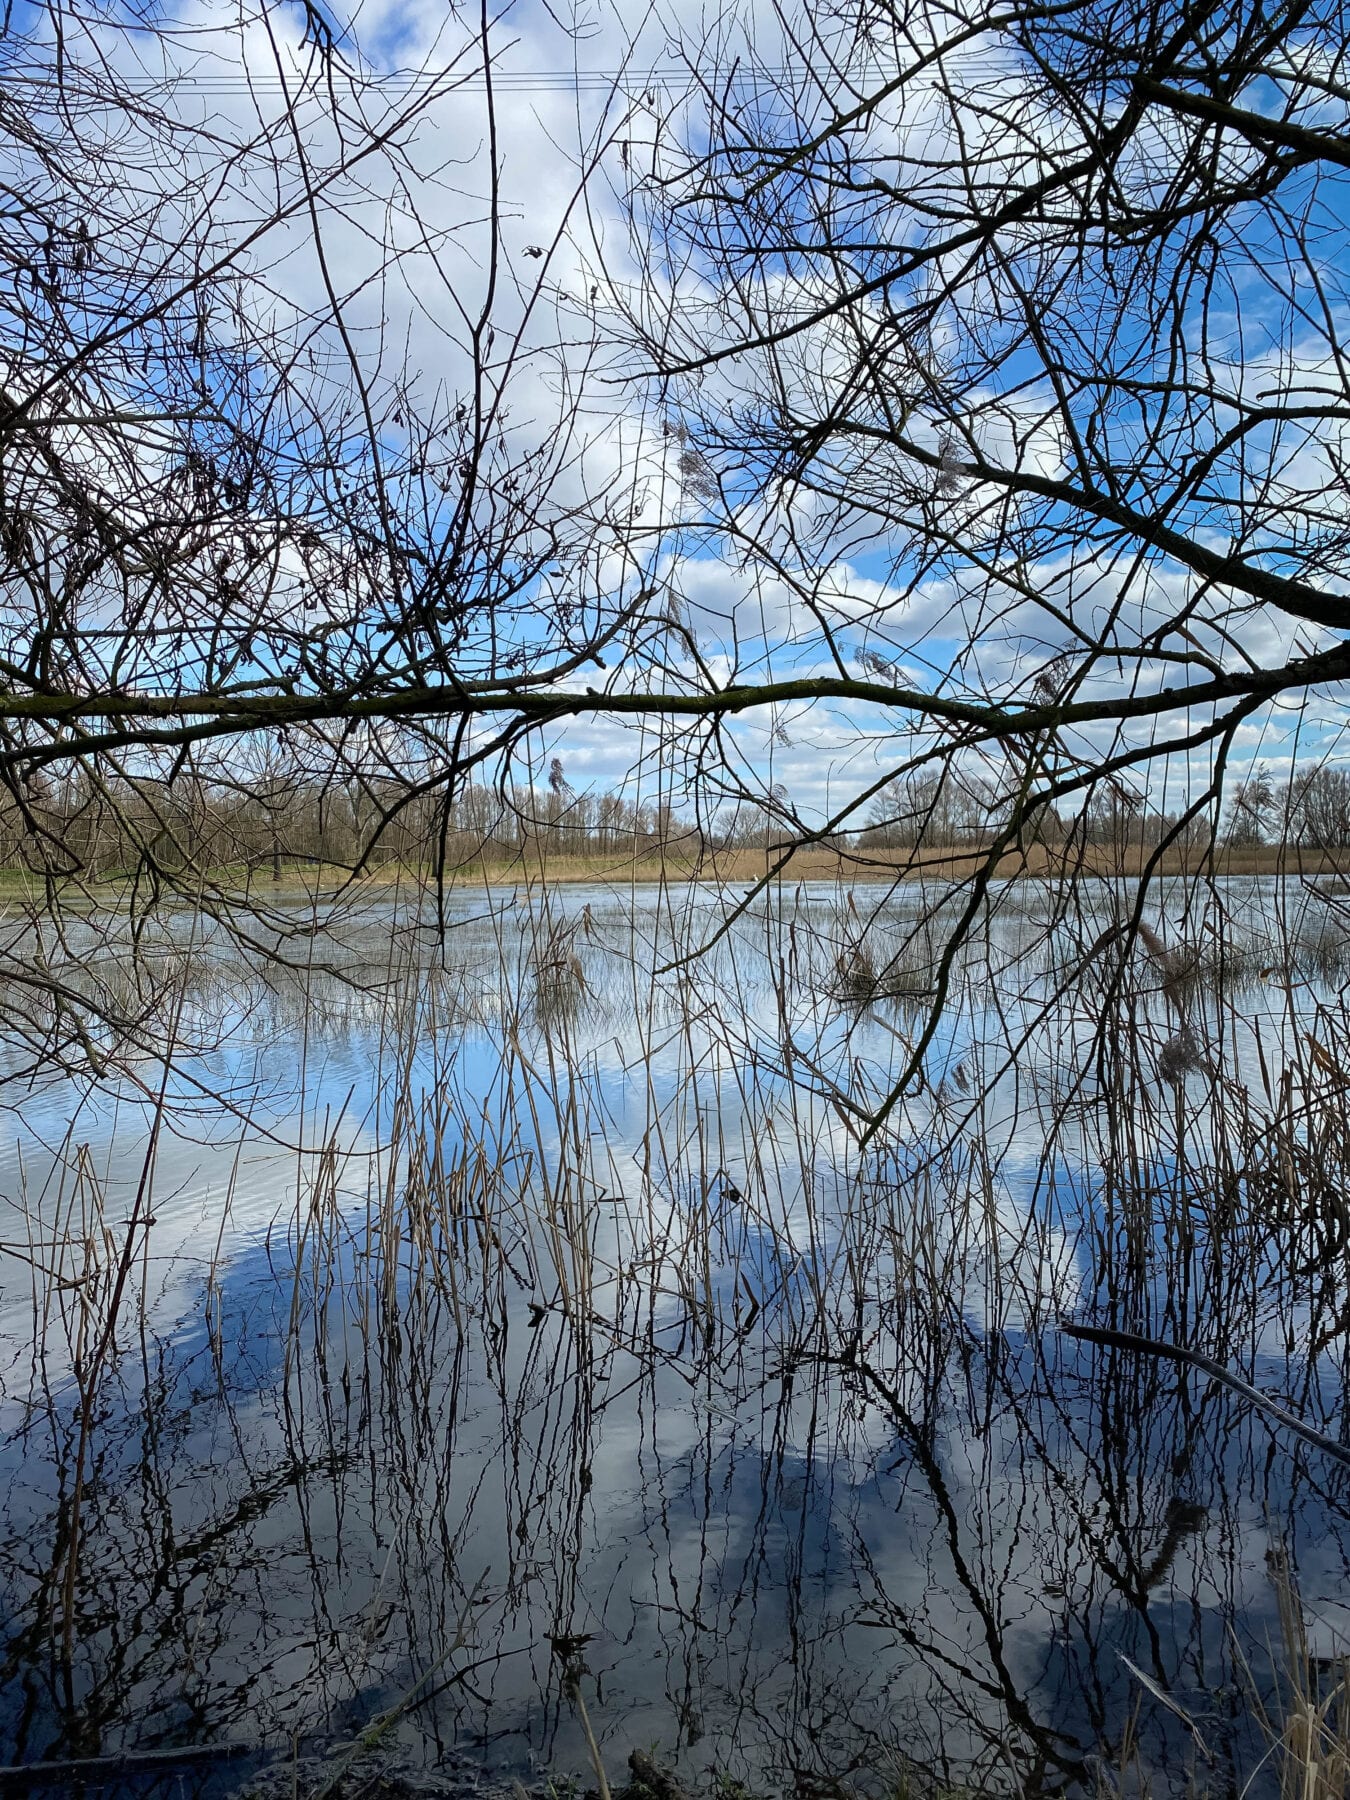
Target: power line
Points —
{"points": [[664, 79], [514, 80]]}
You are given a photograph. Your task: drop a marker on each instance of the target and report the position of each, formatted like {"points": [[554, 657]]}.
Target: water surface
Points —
{"points": [[521, 1317]]}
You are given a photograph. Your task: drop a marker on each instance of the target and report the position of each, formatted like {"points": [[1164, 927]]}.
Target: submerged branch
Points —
{"points": [[1145, 1346]]}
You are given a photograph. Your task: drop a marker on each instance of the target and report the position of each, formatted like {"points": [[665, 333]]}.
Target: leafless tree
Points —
{"points": [[998, 300], [1319, 807], [307, 509], [1012, 344], [995, 360]]}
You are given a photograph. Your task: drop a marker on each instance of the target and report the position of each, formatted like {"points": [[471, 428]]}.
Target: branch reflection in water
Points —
{"points": [[485, 1325]]}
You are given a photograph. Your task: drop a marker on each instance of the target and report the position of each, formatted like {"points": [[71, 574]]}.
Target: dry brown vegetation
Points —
{"points": [[815, 862]]}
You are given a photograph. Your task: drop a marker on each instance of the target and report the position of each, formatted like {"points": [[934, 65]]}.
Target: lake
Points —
{"points": [[500, 1325]]}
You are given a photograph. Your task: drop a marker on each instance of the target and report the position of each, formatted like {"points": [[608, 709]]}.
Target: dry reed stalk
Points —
{"points": [[578, 1699], [98, 1337], [1312, 1738], [1315, 1757]]}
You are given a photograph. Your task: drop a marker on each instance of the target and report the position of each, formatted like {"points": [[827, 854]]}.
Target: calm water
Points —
{"points": [[522, 1316]]}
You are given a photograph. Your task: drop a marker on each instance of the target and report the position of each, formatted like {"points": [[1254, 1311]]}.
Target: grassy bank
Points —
{"points": [[813, 862], [734, 867]]}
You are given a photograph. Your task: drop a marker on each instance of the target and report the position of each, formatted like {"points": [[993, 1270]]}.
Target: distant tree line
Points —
{"points": [[272, 811], [954, 808], [275, 813], [1312, 809]]}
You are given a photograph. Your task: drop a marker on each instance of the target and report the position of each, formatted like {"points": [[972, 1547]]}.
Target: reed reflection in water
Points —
{"points": [[477, 1322]]}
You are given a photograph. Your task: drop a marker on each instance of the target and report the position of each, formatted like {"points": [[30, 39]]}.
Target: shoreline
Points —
{"points": [[743, 868]]}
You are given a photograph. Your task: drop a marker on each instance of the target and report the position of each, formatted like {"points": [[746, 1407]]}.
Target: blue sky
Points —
{"points": [[405, 248]]}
